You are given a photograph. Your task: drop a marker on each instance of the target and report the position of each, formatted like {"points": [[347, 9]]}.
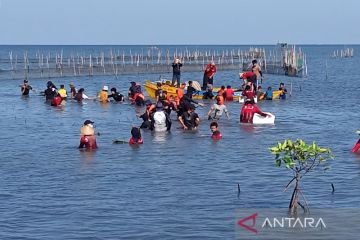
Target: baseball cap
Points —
{"points": [[88, 122]]}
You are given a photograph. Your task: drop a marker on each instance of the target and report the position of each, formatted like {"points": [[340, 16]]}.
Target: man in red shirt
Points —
{"points": [[209, 73], [249, 77], [248, 111], [248, 93], [229, 93]]}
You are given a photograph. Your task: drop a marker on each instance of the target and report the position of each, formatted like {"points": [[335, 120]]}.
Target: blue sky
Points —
{"points": [[179, 22]]}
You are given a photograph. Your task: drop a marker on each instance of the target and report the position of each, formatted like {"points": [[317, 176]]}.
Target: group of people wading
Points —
{"points": [[157, 114]]}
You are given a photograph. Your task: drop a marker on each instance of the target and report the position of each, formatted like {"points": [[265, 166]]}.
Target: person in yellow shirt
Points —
{"points": [[62, 91], [103, 97]]}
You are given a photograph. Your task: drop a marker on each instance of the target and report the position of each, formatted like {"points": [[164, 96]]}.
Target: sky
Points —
{"points": [[131, 22]]}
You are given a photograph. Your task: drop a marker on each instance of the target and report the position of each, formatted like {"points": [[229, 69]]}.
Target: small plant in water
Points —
{"points": [[301, 159]]}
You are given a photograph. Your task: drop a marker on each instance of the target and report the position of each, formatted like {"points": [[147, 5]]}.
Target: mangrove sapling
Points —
{"points": [[301, 159]]}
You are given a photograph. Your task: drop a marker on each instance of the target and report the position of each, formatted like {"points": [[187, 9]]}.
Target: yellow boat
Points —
{"points": [[151, 87], [276, 95]]}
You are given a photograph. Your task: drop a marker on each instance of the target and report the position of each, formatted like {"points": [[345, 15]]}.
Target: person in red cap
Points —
{"points": [[216, 135], [87, 133]]}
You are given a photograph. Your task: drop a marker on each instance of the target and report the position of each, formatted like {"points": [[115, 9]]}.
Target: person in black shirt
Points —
{"points": [[50, 92], [190, 90], [25, 88], [116, 96], [190, 119], [160, 94], [176, 72]]}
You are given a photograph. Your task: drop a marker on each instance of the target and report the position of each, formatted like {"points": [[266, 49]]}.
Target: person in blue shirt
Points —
{"points": [[269, 94], [284, 91]]}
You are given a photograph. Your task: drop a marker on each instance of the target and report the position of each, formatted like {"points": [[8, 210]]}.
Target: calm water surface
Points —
{"points": [[177, 185]]}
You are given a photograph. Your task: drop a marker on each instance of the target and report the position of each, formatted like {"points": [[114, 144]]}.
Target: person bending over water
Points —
{"points": [[190, 119], [160, 121], [248, 110]]}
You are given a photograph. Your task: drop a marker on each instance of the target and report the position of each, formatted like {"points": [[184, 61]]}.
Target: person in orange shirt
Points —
{"points": [[179, 94], [103, 96]]}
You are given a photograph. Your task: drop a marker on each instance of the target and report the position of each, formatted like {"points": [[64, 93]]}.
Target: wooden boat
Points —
{"points": [[151, 87]]}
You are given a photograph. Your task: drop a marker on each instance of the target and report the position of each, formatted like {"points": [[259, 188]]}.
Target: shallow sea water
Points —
{"points": [[178, 185]]}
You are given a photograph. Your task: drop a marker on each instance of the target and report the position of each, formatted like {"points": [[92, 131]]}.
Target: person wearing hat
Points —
{"points": [[248, 110], [135, 136], [25, 88], [50, 92], [357, 145], [116, 96], [160, 121], [209, 74], [73, 90], [103, 96], [87, 135], [176, 65], [190, 119]]}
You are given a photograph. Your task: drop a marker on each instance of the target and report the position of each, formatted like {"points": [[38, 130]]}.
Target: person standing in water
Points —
{"points": [[116, 96], [25, 88], [216, 135], [73, 90], [357, 145], [50, 92], [87, 136], [103, 96], [209, 74], [256, 69], [217, 109], [160, 121], [62, 91], [135, 136], [283, 91], [176, 65]]}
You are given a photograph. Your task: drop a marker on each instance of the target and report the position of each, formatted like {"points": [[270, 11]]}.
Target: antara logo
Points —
{"points": [[250, 228], [284, 222]]}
